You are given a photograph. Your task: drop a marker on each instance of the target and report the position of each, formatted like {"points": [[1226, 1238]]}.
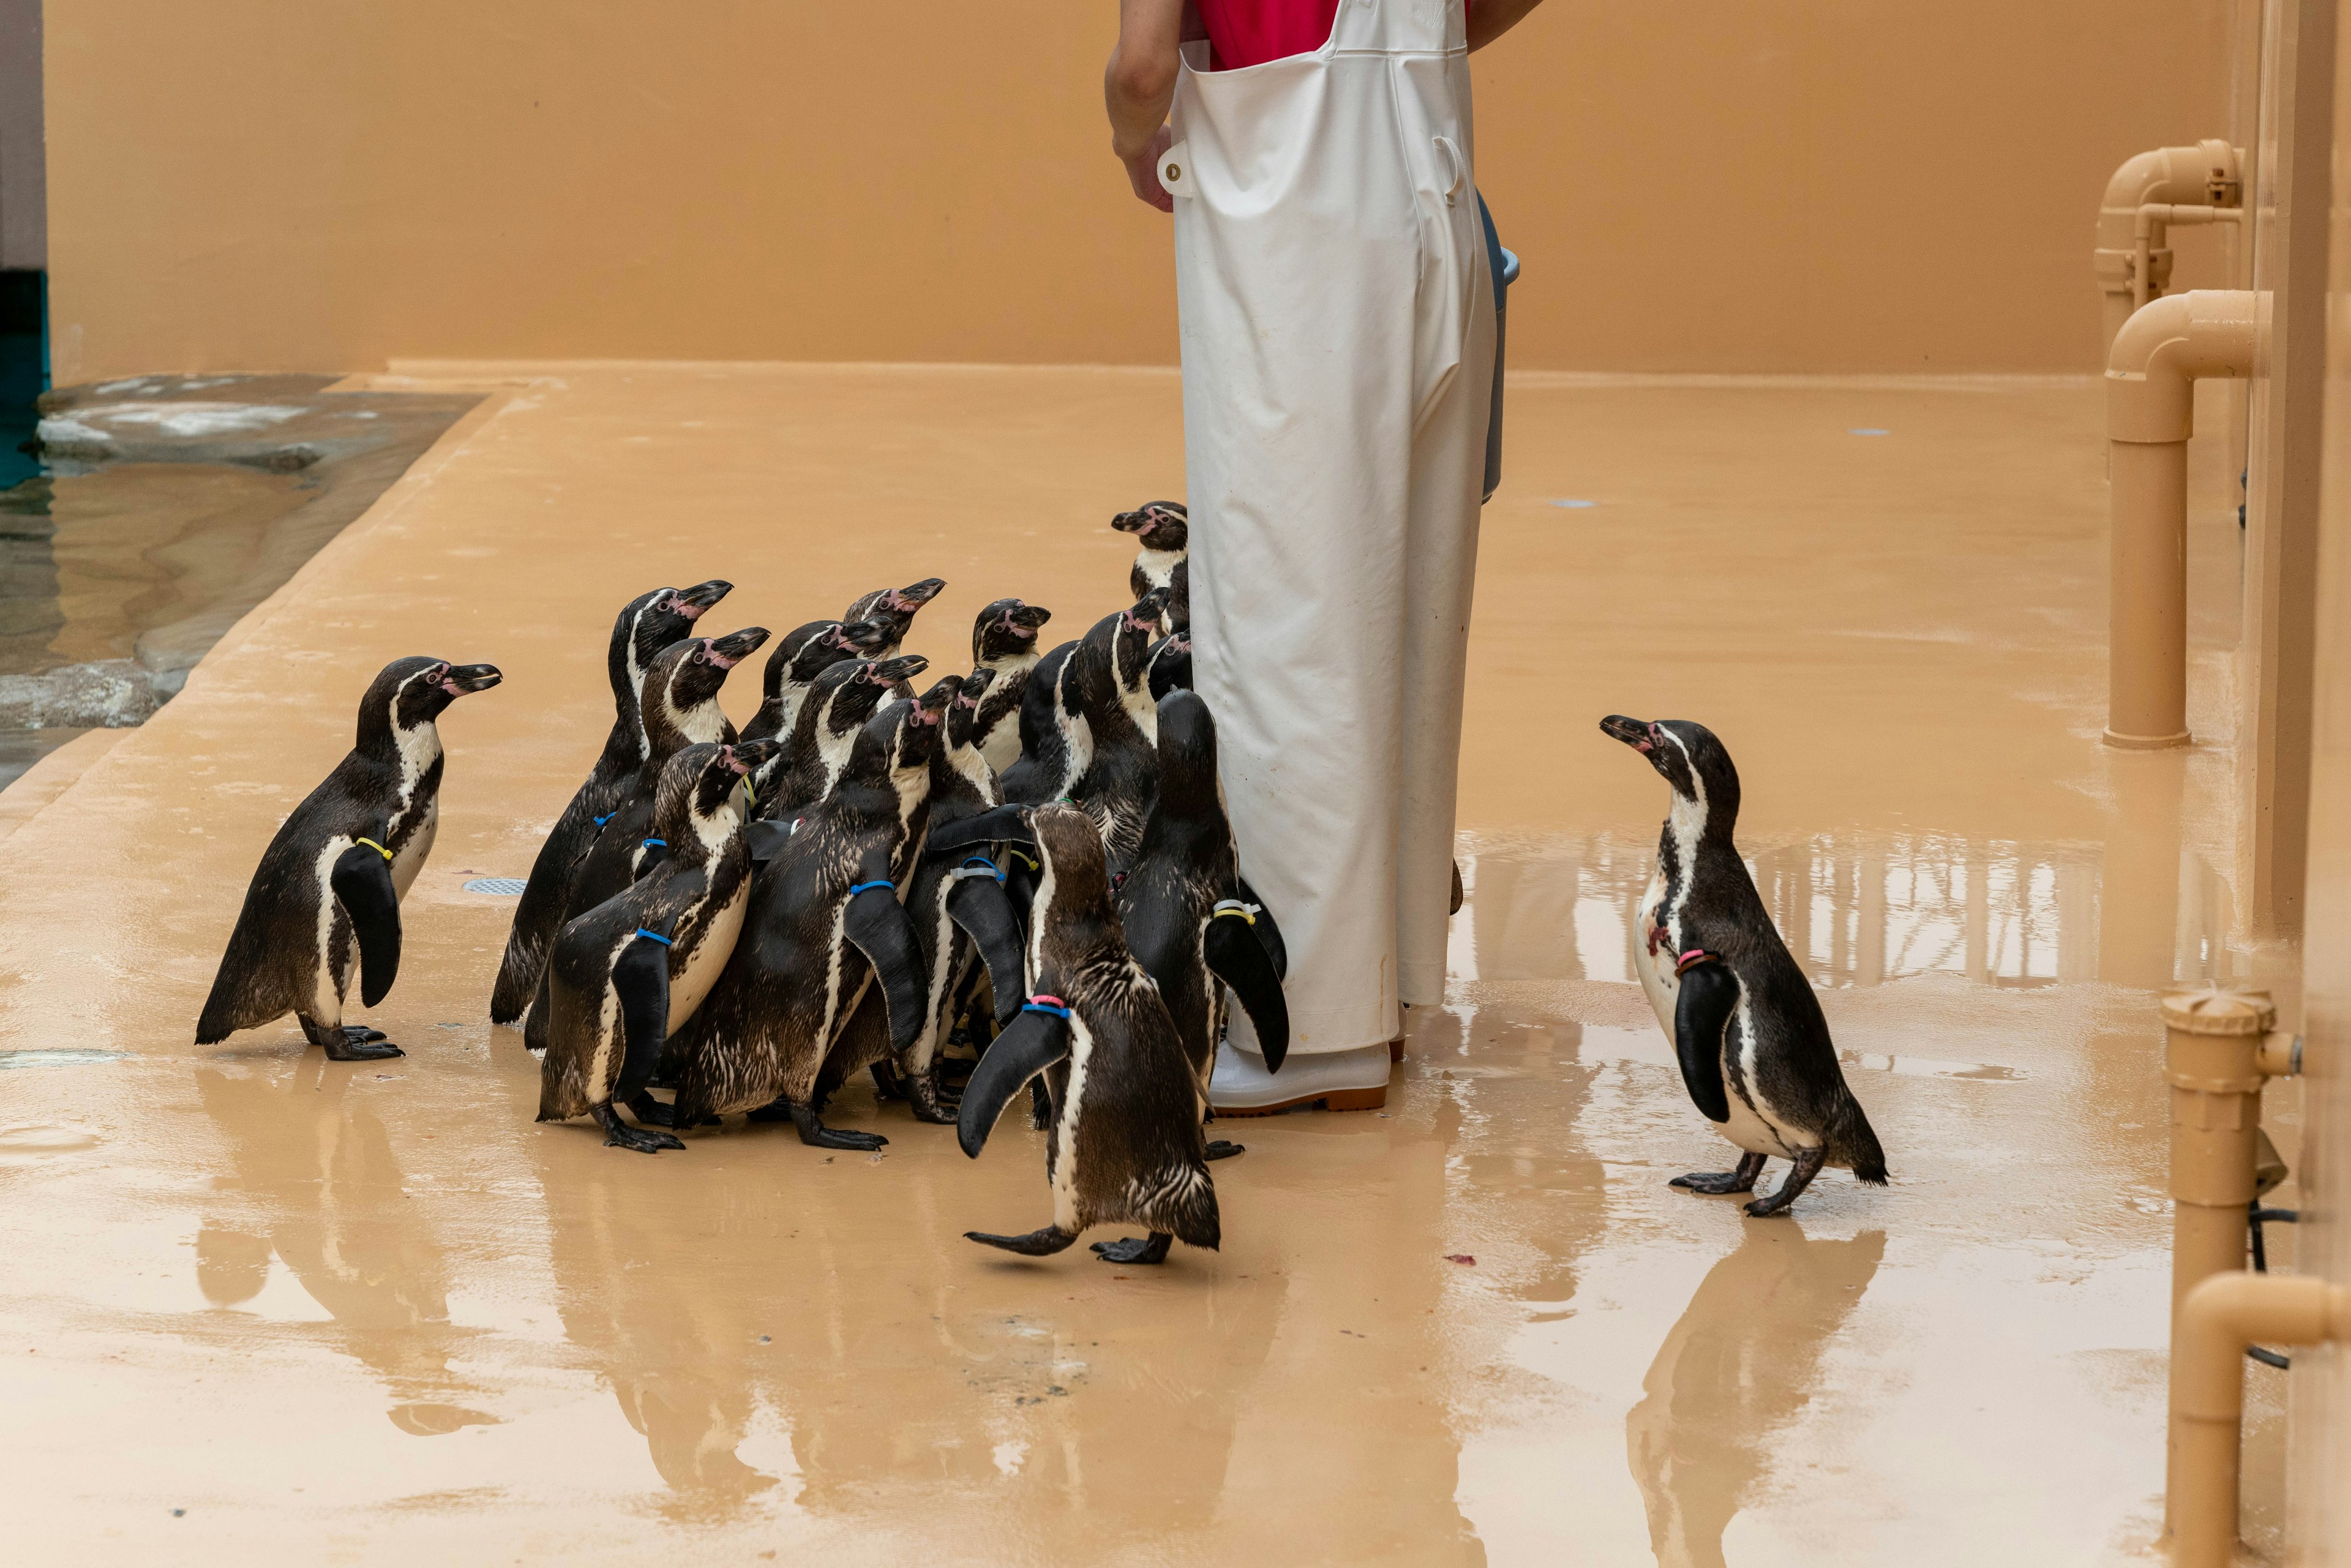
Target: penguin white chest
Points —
{"points": [[408, 858], [1656, 978], [707, 957]]}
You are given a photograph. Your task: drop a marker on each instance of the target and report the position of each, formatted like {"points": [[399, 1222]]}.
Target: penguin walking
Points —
{"points": [[678, 707], [1162, 529], [1124, 1145], [1004, 648], [633, 968], [1755, 1048], [825, 731], [646, 624], [803, 653], [1108, 679], [894, 609], [825, 920], [326, 898]]}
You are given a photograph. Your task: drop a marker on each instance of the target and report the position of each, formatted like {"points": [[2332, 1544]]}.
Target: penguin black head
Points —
{"points": [[896, 606], [900, 740], [1156, 525], [1138, 626], [1688, 756], [652, 622], [963, 710], [1007, 630], [1187, 754], [805, 651], [412, 692], [697, 785], [1074, 891], [1171, 666], [702, 664]]}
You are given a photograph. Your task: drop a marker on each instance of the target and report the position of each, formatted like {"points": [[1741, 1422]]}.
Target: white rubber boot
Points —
{"points": [[1338, 1080]]}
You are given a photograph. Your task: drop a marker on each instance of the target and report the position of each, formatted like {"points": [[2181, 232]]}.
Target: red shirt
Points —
{"points": [[1251, 32]]}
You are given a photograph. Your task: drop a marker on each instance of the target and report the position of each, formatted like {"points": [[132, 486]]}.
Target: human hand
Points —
{"points": [[1143, 171]]}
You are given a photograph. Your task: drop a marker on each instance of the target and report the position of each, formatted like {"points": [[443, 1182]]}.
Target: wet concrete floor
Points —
{"points": [[263, 1308]]}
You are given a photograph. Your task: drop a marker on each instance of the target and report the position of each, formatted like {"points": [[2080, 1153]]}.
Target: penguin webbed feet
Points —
{"points": [[650, 1112], [1716, 1184], [1041, 1243], [1137, 1249], [929, 1101], [618, 1134], [817, 1135], [350, 1042], [1224, 1149], [1807, 1166], [887, 1083]]}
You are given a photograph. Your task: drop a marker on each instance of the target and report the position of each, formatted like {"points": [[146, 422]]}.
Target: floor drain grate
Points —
{"points": [[497, 886]]}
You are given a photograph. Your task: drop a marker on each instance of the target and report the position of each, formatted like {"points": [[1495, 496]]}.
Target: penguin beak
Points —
{"points": [[462, 679], [906, 600], [890, 672], [1633, 732], [735, 647], [693, 602]]}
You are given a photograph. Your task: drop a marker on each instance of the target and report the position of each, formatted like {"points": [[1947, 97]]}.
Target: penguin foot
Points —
{"points": [[1036, 1244], [817, 1135], [1135, 1248], [1225, 1148], [929, 1105], [651, 1112], [360, 1034], [1807, 1166], [887, 1084], [340, 1047], [1714, 1183], [618, 1134]]}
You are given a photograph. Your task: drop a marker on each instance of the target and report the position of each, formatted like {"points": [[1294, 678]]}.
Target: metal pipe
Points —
{"points": [[2221, 1319], [2207, 173], [2151, 375]]}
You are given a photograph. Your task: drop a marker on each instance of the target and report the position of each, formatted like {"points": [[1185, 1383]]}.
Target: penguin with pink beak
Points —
{"points": [[895, 608]]}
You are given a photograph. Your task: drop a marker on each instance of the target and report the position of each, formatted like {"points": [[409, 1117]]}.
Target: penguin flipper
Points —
{"points": [[361, 881], [1709, 994], [880, 927], [640, 976], [1239, 959], [1267, 932], [766, 838], [978, 904], [1033, 1043], [1004, 824]]}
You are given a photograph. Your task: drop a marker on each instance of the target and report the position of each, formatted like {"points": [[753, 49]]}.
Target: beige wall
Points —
{"points": [[1729, 185]]}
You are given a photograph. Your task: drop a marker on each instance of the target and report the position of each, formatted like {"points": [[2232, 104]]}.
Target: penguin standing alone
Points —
{"points": [[326, 898], [1123, 1145], [1755, 1048], [646, 624]]}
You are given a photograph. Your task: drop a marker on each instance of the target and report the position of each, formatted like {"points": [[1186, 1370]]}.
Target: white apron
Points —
{"points": [[1338, 339]]}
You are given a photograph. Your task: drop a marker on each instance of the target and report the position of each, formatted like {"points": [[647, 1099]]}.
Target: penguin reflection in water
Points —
{"points": [[1123, 1145], [627, 972], [326, 898], [1755, 1048]]}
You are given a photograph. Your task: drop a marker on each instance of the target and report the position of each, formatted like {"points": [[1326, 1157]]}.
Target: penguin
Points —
{"points": [[678, 707], [805, 653], [1004, 647], [1162, 529], [326, 898], [1109, 677], [957, 902], [825, 919], [1170, 668], [826, 729], [1052, 755], [646, 624], [1755, 1048], [893, 610], [1124, 1145], [1185, 910], [634, 967]]}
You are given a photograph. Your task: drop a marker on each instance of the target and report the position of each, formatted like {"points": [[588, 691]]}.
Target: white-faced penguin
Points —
{"points": [[678, 707], [1162, 530], [326, 898], [629, 971], [1004, 648], [825, 920], [826, 729], [1754, 1049], [803, 653], [1109, 678], [646, 624], [893, 610], [1124, 1145]]}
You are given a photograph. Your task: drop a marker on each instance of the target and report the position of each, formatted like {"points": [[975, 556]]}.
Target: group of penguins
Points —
{"points": [[1018, 877]]}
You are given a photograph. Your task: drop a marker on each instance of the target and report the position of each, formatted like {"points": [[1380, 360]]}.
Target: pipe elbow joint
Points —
{"points": [[2208, 172], [2226, 1313], [2164, 348]]}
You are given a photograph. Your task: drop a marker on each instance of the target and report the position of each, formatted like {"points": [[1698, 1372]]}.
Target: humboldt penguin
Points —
{"points": [[1052, 755], [1162, 529], [1004, 647], [957, 902], [826, 729], [632, 969], [1123, 1145], [1171, 664], [646, 624], [825, 920], [894, 609], [803, 653], [1109, 677], [1747, 1029], [678, 707], [326, 898]]}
